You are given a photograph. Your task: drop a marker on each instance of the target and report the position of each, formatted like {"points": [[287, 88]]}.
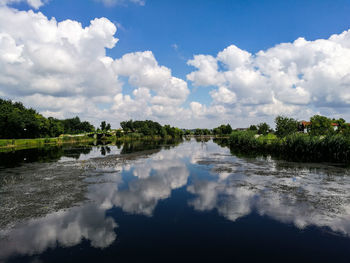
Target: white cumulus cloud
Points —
{"points": [[290, 78], [61, 69]]}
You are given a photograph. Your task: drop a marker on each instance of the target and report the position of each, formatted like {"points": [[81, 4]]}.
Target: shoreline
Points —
{"points": [[7, 145]]}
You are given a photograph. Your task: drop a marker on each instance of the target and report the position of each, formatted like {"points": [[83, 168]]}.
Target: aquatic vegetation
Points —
{"points": [[297, 146]]}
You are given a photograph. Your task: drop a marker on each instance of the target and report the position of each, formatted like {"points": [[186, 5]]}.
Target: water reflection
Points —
{"points": [[302, 194], [64, 228], [99, 181], [61, 203]]}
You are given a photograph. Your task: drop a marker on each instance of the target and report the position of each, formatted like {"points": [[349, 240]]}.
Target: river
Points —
{"points": [[159, 201]]}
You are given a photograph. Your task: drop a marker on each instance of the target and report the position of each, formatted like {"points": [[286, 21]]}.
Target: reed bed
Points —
{"points": [[296, 147]]}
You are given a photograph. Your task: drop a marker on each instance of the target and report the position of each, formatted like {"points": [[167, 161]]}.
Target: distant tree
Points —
{"points": [[188, 132], [17, 121], [198, 132], [320, 125], [206, 132], [103, 125], [253, 128], [222, 129], [75, 126], [263, 128], [150, 128], [285, 126]]}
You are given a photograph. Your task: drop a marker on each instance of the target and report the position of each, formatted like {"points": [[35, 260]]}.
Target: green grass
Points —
{"points": [[19, 144], [14, 144]]}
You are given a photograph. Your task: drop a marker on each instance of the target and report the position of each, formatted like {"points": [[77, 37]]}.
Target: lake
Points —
{"points": [[163, 201]]}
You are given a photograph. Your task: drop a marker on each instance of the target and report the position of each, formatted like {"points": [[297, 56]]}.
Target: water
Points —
{"points": [[169, 202]]}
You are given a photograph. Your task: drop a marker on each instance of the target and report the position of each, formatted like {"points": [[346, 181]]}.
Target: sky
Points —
{"points": [[188, 63]]}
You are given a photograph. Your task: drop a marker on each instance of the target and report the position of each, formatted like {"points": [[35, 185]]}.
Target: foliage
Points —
{"points": [[285, 126], [150, 128], [296, 146], [253, 128], [222, 129], [320, 125], [187, 132], [263, 128], [202, 132], [105, 126], [75, 126], [17, 121]]}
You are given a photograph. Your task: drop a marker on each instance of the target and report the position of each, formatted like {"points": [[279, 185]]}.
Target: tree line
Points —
{"points": [[317, 126], [221, 130], [17, 121], [150, 128]]}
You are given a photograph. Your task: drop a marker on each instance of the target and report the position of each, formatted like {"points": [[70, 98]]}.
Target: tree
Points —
{"points": [[263, 128], [253, 128], [320, 125], [103, 125], [342, 125], [285, 126], [17, 121], [198, 132], [222, 129]]}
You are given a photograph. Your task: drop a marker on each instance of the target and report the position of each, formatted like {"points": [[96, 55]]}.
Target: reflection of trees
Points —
{"points": [[144, 145], [155, 176], [104, 150], [45, 154], [136, 146], [202, 139], [314, 195]]}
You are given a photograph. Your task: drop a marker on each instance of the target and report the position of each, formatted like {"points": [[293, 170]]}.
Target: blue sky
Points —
{"points": [[207, 26], [175, 31]]}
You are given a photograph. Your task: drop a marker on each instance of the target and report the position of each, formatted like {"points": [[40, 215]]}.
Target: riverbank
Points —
{"points": [[295, 147], [20, 144]]}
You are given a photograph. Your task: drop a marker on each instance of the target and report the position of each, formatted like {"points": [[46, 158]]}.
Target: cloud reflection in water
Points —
{"points": [[300, 194]]}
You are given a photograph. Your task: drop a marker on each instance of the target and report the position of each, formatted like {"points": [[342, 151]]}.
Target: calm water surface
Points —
{"points": [[163, 202]]}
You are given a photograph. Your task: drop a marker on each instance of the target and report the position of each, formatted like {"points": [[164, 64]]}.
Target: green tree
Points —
{"points": [[103, 125], [198, 132], [285, 126], [263, 128], [320, 125], [222, 129], [253, 128]]}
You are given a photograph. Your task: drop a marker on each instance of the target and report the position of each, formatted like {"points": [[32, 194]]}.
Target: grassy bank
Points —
{"points": [[296, 147], [18, 144]]}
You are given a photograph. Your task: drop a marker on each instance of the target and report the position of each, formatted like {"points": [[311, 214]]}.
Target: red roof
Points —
{"points": [[306, 123]]}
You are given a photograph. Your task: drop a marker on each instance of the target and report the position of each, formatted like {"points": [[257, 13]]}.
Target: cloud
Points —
{"points": [[287, 78], [61, 69], [289, 194], [36, 4], [50, 64]]}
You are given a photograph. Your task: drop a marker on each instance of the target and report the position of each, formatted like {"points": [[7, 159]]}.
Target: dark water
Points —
{"points": [[192, 201]]}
